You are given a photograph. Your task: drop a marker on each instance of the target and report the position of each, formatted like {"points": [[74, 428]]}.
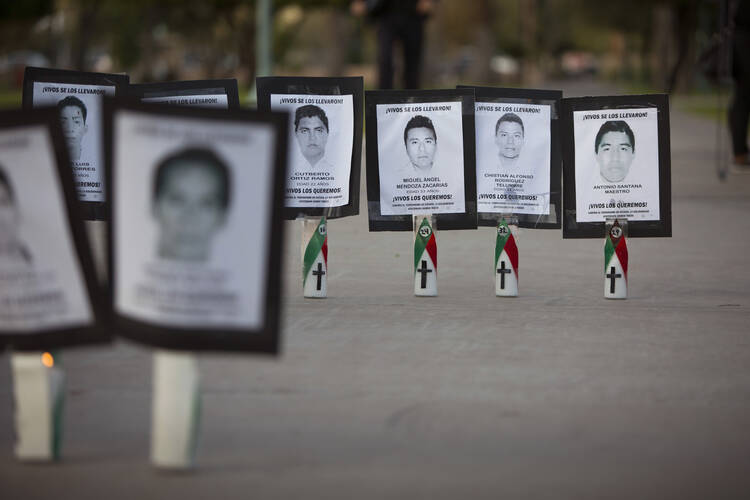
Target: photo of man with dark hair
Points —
{"points": [[190, 200], [311, 130], [415, 174], [615, 149], [420, 140], [12, 249], [509, 138], [73, 120]]}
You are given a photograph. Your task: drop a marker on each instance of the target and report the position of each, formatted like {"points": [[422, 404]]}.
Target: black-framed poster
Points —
{"points": [[220, 94], [325, 141], [617, 165], [196, 225], [49, 293], [77, 95], [420, 158], [518, 157]]}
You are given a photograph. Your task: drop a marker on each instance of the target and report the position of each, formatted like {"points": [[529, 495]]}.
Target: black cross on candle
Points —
{"points": [[319, 274], [502, 272], [612, 277], [423, 271]]}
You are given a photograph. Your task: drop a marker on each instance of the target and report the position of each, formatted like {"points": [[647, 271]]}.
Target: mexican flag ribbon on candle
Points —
{"points": [[506, 241], [425, 240], [318, 243], [616, 246]]}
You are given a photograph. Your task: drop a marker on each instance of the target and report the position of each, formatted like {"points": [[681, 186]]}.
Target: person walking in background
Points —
{"points": [[739, 109], [397, 20]]}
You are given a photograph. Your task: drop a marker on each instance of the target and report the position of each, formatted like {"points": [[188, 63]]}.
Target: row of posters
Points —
{"points": [[78, 98], [469, 155], [190, 268], [472, 155]]}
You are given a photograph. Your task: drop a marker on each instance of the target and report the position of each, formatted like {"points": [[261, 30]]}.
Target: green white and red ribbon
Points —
{"points": [[617, 247], [424, 243], [506, 241], [318, 243]]}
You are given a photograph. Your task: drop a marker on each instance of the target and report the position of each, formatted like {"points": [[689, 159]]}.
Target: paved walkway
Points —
{"points": [[379, 394]]}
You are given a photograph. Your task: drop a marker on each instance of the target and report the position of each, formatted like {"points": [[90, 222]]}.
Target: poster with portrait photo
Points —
{"points": [[518, 156], [196, 225], [49, 294], [325, 141], [617, 165], [420, 158], [219, 94], [78, 98]]}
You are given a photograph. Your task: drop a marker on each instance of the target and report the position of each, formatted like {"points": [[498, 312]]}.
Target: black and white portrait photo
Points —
{"points": [[320, 148], [42, 282], [73, 122], [191, 190], [616, 164], [420, 140], [80, 109], [192, 203], [513, 158], [420, 158], [615, 149], [509, 138], [311, 131]]}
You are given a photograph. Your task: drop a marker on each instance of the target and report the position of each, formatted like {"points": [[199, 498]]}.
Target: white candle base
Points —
{"points": [[39, 398], [506, 281], [425, 286], [615, 282], [176, 410]]}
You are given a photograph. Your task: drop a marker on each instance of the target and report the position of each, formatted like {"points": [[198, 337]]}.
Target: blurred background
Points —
{"points": [[638, 45]]}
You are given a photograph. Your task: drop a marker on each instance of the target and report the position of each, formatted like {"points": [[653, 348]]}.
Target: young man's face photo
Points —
{"points": [[312, 136], [420, 147], [73, 125], [614, 156], [509, 139], [189, 210]]}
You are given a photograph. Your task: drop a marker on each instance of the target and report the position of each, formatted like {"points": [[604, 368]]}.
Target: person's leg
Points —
{"points": [[412, 37], [386, 34], [739, 110]]}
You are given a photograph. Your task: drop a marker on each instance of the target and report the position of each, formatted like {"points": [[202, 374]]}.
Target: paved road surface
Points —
{"points": [[379, 394]]}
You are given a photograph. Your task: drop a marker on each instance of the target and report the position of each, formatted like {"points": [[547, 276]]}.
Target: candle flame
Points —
{"points": [[48, 360]]}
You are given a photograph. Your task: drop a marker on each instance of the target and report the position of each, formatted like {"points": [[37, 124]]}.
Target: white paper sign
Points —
{"points": [[513, 158], [41, 282], [81, 118], [191, 214], [421, 158], [321, 138], [219, 101], [616, 164]]}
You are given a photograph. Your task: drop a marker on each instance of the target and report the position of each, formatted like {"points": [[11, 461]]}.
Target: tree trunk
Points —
{"points": [[86, 23], [681, 76]]}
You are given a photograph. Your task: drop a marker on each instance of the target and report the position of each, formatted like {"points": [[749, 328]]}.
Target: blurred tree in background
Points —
{"points": [[514, 42]]}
